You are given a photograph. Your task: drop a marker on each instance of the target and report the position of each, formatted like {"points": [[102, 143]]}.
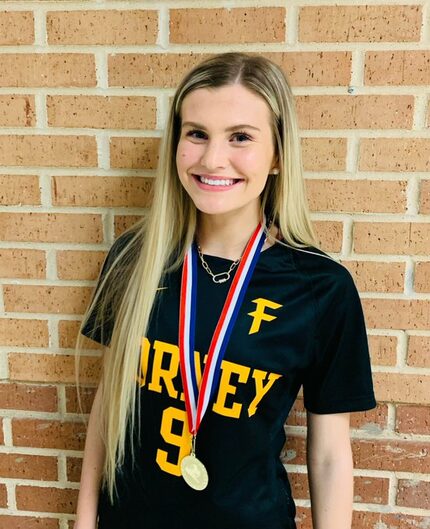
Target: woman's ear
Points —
{"points": [[275, 165]]}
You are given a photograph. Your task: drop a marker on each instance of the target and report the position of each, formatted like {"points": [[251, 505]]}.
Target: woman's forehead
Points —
{"points": [[229, 105]]}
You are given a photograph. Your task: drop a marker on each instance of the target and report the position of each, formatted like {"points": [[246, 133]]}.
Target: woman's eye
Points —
{"points": [[242, 136], [196, 134]]}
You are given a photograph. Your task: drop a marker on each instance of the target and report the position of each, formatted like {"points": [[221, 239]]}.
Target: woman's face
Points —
{"points": [[225, 150]]}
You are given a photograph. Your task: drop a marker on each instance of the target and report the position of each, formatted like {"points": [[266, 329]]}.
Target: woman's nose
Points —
{"points": [[214, 155]]}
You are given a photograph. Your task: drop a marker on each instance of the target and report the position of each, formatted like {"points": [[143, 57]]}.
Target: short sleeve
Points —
{"points": [[339, 379], [97, 326]]}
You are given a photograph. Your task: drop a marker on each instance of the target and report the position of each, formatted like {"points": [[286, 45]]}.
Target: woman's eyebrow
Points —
{"points": [[228, 129]]}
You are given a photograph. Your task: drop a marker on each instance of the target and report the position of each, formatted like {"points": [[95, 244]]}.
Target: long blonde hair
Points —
{"points": [[156, 245]]}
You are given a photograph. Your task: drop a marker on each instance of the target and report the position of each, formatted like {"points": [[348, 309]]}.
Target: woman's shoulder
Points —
{"points": [[319, 267], [124, 246]]}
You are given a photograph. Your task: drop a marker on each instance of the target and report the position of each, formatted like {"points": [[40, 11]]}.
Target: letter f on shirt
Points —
{"points": [[259, 315]]}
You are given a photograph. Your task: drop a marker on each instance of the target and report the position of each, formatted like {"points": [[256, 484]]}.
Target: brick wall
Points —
{"points": [[83, 98]]}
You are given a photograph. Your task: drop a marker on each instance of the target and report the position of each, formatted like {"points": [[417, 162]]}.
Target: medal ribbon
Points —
{"points": [[197, 399]]}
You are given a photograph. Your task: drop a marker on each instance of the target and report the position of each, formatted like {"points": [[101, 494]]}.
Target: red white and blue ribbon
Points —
{"points": [[197, 398]]}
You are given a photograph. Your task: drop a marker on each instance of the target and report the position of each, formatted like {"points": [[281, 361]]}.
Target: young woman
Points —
{"points": [[215, 310]]}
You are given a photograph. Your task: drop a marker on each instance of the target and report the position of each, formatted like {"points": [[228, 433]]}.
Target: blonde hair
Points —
{"points": [[156, 245]]}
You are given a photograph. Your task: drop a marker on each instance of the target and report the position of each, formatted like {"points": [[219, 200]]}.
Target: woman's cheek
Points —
{"points": [[248, 159], [187, 153]]}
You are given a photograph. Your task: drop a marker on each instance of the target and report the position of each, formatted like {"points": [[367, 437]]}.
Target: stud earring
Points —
{"points": [[274, 172]]}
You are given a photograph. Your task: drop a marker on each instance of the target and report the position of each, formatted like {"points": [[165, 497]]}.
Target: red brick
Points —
{"points": [[371, 420], [397, 313], [27, 397], [297, 415], [74, 467], [108, 27], [366, 489], [219, 26], [322, 68], [376, 276], [418, 351], [394, 154], [68, 332], [17, 110], [123, 222], [16, 28], [399, 387], [48, 150], [46, 499], [46, 299], [38, 433], [304, 518], [103, 191], [16, 190], [294, 451], [401, 238], [422, 277], [355, 112], [53, 368], [413, 493], [25, 466], [299, 485], [87, 396], [314, 68], [134, 153], [324, 154], [329, 234], [413, 419], [28, 264], [391, 455], [397, 67], [151, 69], [383, 350], [23, 333], [51, 227], [360, 23], [102, 112], [362, 196], [28, 522], [47, 70], [425, 192], [376, 520], [3, 498], [79, 264]]}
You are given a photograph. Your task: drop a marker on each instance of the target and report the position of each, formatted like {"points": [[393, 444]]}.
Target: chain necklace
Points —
{"points": [[222, 277]]}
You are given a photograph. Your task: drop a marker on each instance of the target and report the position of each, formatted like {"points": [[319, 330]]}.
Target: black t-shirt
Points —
{"points": [[301, 323]]}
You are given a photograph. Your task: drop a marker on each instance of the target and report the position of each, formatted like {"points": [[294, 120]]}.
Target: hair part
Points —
{"points": [[156, 245]]}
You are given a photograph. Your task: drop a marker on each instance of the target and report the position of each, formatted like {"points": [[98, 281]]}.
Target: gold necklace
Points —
{"points": [[225, 276], [222, 277]]}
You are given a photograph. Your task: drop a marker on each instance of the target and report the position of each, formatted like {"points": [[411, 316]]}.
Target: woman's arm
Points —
{"points": [[92, 465], [329, 460]]}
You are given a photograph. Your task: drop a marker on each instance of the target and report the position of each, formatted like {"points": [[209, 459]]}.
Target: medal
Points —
{"points": [[197, 398], [193, 470]]}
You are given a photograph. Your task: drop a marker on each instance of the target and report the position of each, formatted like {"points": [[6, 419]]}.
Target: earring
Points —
{"points": [[274, 171]]}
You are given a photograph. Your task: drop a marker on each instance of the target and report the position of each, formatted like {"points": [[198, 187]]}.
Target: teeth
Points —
{"points": [[216, 182]]}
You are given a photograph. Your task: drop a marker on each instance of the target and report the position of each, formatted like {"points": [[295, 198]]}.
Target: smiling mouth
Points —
{"points": [[217, 181]]}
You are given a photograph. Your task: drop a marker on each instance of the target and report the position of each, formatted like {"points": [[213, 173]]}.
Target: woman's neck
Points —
{"points": [[226, 235]]}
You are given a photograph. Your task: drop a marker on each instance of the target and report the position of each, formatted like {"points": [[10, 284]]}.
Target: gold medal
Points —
{"points": [[194, 472]]}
